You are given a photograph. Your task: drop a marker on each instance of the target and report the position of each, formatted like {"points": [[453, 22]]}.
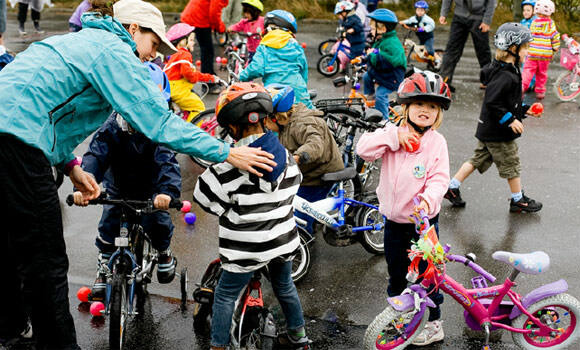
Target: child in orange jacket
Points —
{"points": [[182, 73]]}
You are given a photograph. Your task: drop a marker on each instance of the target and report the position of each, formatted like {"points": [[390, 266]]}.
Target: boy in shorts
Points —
{"points": [[500, 119]]}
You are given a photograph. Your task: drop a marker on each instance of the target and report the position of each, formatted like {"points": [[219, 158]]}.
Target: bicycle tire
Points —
{"points": [[563, 89], [324, 68], [325, 47], [183, 281], [118, 311], [202, 319], [386, 319], [142, 252], [371, 240], [301, 262], [218, 132]]}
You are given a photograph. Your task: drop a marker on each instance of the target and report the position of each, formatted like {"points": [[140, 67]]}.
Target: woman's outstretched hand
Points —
{"points": [[249, 158], [85, 183]]}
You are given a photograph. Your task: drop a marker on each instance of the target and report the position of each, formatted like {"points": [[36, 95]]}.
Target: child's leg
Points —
{"points": [[463, 173], [541, 78], [397, 241], [285, 290], [187, 100], [368, 84], [160, 228], [382, 100], [529, 71], [226, 294], [429, 46], [515, 184]]}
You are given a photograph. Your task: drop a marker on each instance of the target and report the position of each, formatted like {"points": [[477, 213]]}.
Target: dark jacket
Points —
{"points": [[307, 136], [354, 22], [472, 9], [387, 67], [502, 103], [130, 165]]}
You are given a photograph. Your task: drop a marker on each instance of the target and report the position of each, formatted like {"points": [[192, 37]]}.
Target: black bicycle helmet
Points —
{"points": [[243, 103], [509, 34]]}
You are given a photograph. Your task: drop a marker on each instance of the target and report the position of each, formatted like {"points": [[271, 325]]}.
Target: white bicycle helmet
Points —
{"points": [[343, 6], [544, 7]]}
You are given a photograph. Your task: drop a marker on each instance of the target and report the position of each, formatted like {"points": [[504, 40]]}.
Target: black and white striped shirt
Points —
{"points": [[256, 217]]}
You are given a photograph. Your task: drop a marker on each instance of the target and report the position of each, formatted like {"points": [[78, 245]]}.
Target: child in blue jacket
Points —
{"points": [[133, 167], [386, 60], [279, 58], [353, 27]]}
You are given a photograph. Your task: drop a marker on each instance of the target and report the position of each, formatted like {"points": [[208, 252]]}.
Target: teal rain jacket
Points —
{"points": [[60, 90], [280, 59]]}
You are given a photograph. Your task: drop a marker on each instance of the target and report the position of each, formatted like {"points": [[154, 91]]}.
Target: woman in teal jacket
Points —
{"points": [[54, 95], [279, 58]]}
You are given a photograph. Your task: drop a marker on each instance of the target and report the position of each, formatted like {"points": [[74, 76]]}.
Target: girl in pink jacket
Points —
{"points": [[252, 23], [415, 163]]}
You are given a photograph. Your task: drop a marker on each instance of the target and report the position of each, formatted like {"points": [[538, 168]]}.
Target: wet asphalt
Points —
{"points": [[346, 287]]}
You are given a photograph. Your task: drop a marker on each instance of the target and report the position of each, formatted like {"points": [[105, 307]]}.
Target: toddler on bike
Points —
{"points": [[386, 61], [500, 119], [252, 23], [132, 167], [545, 43], [307, 137], [182, 73], [353, 27], [423, 25], [256, 225], [415, 163], [279, 58]]}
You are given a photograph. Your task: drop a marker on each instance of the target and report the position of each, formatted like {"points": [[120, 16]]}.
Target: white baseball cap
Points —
{"points": [[146, 15]]}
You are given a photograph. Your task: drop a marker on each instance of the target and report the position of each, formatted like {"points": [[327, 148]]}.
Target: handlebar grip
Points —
{"points": [[176, 204], [70, 200]]}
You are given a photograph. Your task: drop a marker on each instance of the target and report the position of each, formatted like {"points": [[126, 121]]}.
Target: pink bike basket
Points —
{"points": [[567, 59]]}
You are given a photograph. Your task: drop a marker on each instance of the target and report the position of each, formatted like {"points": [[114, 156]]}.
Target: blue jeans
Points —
{"points": [[381, 96], [311, 194], [229, 288], [429, 46]]}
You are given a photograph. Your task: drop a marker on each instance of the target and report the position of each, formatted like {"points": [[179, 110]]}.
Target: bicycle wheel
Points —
{"points": [[183, 281], [118, 310], [202, 319], [567, 86], [325, 67], [386, 330], [144, 257], [325, 47], [372, 240], [206, 121], [560, 312], [301, 262]]}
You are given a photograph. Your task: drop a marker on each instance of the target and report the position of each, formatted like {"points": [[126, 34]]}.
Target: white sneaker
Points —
{"points": [[433, 332]]}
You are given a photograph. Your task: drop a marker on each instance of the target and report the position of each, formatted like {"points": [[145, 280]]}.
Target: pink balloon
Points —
{"points": [[186, 206], [96, 308], [218, 59]]}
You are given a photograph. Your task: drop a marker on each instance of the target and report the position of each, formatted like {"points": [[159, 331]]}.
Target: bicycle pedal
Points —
{"points": [[344, 231]]}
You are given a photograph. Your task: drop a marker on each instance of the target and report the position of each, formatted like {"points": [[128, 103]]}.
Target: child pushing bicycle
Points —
{"points": [[131, 166], [423, 25], [182, 73], [386, 59], [415, 163], [256, 216], [500, 121], [252, 23]]}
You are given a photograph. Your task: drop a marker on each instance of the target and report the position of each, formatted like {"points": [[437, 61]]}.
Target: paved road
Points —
{"points": [[346, 287]]}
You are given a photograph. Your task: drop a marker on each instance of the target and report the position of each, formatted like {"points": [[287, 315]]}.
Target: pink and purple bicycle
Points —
{"points": [[545, 318]]}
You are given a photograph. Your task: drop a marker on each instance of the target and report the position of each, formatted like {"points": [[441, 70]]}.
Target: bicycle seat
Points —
{"points": [[373, 115], [531, 263], [344, 174]]}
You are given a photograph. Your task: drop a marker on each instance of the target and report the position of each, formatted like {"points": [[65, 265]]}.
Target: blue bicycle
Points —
{"points": [[329, 64], [130, 267]]}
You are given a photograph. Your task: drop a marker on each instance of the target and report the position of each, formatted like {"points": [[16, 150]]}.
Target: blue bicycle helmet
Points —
{"points": [[528, 2], [160, 79], [384, 16], [283, 19], [282, 97], [422, 5]]}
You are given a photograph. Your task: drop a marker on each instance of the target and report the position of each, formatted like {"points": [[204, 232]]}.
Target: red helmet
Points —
{"points": [[243, 103], [426, 86]]}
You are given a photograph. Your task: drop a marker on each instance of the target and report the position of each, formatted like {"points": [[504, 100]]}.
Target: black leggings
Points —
{"points": [[23, 11], [32, 249], [204, 38]]}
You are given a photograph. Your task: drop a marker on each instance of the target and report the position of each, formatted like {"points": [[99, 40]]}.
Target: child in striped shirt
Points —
{"points": [[256, 216], [545, 43]]}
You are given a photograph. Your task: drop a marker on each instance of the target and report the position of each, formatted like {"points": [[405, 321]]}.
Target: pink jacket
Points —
{"points": [[404, 175], [246, 26]]}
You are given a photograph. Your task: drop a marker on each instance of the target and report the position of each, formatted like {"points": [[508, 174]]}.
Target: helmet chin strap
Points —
{"points": [[417, 128]]}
